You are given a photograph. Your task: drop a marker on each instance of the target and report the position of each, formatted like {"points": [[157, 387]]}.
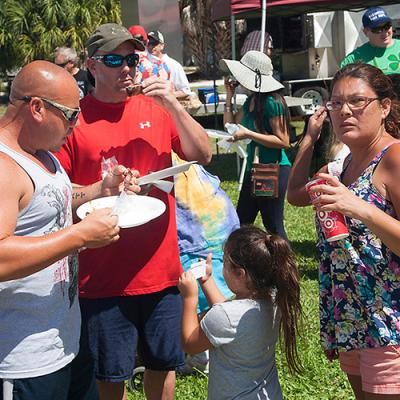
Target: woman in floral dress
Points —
{"points": [[360, 275]]}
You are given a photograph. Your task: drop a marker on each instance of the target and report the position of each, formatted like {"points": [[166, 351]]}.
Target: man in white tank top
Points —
{"points": [[39, 309]]}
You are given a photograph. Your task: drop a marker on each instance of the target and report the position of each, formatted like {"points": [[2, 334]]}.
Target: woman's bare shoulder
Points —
{"points": [[391, 160]]}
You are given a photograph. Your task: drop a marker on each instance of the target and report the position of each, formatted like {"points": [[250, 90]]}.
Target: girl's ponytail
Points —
{"points": [[286, 279]]}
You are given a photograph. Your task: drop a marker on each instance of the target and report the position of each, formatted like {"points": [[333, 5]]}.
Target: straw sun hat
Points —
{"points": [[253, 71]]}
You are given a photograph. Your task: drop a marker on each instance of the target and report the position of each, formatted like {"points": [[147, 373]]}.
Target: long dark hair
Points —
{"points": [[381, 84], [269, 263], [258, 112]]}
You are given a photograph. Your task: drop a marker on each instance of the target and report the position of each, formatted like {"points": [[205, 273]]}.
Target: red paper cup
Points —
{"points": [[333, 223]]}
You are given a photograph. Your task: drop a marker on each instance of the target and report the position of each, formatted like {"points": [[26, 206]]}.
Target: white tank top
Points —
{"points": [[39, 314]]}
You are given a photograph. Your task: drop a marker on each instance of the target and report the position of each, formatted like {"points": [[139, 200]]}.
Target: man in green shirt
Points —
{"points": [[381, 50]]}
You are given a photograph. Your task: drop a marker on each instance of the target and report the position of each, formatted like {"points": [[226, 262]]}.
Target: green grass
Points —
{"points": [[321, 379]]}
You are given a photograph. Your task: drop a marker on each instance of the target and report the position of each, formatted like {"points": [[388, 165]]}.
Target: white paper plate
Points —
{"points": [[144, 209]]}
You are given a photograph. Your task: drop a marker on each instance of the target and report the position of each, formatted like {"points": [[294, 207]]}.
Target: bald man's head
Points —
{"points": [[44, 79], [43, 109]]}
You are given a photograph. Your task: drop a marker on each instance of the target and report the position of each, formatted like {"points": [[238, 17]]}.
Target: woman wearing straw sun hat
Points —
{"points": [[264, 118]]}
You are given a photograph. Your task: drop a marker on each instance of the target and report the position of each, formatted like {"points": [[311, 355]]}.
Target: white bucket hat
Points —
{"points": [[253, 71]]}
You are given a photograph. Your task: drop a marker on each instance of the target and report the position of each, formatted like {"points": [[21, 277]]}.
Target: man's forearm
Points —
{"points": [[193, 137], [23, 256], [82, 194]]}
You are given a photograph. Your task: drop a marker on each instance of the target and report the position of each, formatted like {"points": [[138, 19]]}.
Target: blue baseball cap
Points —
{"points": [[375, 16]]}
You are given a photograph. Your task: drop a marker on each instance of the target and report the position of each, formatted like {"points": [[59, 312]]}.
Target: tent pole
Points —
{"points": [[263, 24], [233, 37], [233, 43]]}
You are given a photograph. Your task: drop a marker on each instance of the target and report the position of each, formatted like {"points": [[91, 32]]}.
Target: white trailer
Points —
{"points": [[311, 37], [326, 37]]}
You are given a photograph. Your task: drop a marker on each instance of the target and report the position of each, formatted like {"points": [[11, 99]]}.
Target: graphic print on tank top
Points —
{"points": [[58, 200]]}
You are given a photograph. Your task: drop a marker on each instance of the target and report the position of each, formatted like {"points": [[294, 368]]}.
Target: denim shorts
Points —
{"points": [[114, 328], [76, 381]]}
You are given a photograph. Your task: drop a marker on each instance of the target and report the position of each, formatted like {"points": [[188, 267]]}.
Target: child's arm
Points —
{"points": [[193, 338], [210, 288]]}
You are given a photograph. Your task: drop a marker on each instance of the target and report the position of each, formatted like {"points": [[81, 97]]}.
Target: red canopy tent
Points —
{"points": [[223, 9]]}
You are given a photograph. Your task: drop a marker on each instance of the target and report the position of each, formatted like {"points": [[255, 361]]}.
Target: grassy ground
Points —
{"points": [[321, 380]]}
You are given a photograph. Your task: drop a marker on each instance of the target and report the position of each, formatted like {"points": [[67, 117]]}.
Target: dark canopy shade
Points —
{"points": [[223, 9]]}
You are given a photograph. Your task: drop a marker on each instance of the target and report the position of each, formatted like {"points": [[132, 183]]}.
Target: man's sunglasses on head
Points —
{"points": [[381, 28], [70, 114], [116, 60], [153, 42], [62, 65]]}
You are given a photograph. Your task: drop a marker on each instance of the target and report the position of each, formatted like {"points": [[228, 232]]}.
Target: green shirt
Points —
{"points": [[272, 108], [387, 59]]}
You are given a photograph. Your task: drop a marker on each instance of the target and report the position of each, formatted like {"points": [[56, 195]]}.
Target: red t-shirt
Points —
{"points": [[140, 134]]}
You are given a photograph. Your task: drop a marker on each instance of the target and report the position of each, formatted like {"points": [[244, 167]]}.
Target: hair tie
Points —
{"points": [[267, 240]]}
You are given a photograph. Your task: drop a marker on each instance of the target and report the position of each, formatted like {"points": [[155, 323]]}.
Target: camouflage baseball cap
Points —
{"points": [[108, 37]]}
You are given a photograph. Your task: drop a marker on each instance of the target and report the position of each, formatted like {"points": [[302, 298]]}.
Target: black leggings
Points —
{"points": [[271, 209]]}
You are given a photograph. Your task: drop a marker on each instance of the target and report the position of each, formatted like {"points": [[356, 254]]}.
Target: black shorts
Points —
{"points": [[113, 328]]}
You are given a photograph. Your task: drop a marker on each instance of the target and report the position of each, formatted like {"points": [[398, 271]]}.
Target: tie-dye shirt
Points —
{"points": [[205, 215], [360, 280]]}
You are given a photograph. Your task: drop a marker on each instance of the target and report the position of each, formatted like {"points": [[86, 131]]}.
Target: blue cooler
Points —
{"points": [[208, 95]]}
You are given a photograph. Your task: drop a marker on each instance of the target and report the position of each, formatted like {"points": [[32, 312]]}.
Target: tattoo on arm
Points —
{"points": [[78, 195]]}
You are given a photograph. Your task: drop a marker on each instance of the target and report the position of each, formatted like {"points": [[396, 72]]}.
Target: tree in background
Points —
{"points": [[206, 40], [31, 30]]}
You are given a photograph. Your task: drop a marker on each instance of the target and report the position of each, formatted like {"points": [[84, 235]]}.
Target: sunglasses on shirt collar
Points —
{"points": [[116, 60], [381, 28]]}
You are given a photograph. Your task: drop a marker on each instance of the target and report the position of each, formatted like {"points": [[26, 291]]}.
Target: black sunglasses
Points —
{"points": [[70, 114], [116, 60], [382, 28]]}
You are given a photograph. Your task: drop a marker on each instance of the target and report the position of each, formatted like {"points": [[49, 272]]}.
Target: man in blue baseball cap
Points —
{"points": [[381, 50], [375, 16]]}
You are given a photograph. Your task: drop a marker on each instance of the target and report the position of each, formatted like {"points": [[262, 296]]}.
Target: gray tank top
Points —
{"points": [[39, 314]]}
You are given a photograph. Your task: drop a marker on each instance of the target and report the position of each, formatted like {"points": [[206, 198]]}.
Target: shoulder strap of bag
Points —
{"points": [[256, 159]]}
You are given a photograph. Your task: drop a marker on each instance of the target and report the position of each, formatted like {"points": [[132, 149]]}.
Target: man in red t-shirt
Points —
{"points": [[128, 293]]}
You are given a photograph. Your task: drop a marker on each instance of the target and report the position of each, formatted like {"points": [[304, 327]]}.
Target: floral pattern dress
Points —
{"points": [[360, 280]]}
